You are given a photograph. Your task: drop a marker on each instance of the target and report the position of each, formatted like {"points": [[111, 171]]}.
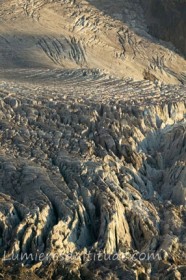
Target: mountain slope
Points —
{"points": [[75, 34]]}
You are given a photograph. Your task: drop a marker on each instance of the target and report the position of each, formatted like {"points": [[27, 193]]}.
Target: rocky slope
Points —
{"points": [[89, 34], [92, 144]]}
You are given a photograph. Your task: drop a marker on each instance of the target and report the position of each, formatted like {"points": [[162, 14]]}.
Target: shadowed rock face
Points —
{"points": [[166, 20], [92, 143]]}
